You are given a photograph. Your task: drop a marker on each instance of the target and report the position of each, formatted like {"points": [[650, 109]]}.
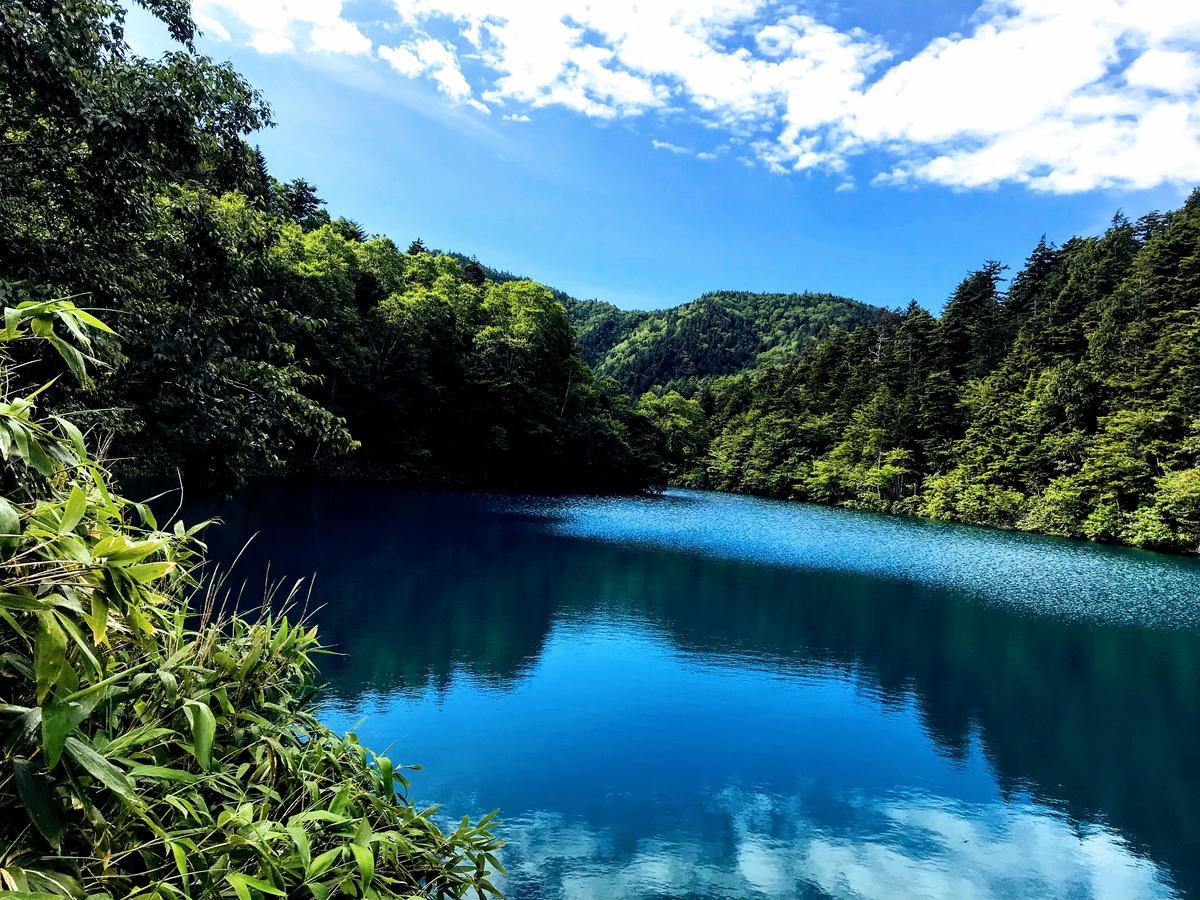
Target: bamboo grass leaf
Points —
{"points": [[38, 797], [73, 511], [144, 573], [366, 865], [10, 528], [49, 653], [242, 883], [204, 728], [101, 769], [163, 773], [58, 721]]}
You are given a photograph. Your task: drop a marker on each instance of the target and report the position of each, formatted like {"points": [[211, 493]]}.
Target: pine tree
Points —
{"points": [[972, 327], [473, 273]]}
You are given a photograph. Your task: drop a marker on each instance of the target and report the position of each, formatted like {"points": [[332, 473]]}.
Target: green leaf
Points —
{"points": [[66, 315], [300, 839], [147, 515], [387, 770], [38, 797], [321, 864], [22, 603], [74, 435], [49, 654], [98, 620], [144, 573], [161, 773], [74, 510], [58, 721], [72, 357], [366, 864], [88, 319], [102, 770], [85, 649], [242, 882], [10, 529], [204, 729], [170, 684], [23, 732], [181, 862], [239, 885]]}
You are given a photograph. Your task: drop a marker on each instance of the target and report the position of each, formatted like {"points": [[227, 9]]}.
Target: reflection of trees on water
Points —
{"points": [[1103, 720]]}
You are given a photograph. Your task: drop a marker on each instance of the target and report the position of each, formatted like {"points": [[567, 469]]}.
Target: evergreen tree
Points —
{"points": [[473, 273]]}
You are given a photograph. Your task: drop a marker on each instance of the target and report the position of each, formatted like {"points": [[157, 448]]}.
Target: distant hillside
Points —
{"points": [[719, 333]]}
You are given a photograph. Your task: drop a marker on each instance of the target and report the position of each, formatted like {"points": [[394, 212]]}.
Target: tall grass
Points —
{"points": [[152, 749]]}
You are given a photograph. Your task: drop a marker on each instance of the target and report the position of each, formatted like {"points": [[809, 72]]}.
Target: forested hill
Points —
{"points": [[719, 333], [1065, 400]]}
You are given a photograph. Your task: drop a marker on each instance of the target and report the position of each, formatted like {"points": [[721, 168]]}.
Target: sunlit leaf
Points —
{"points": [[204, 728]]}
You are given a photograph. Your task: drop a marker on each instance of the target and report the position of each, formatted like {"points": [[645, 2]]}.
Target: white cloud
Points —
{"points": [[517, 117], [339, 36], [283, 26], [1171, 71], [669, 147], [438, 61], [1067, 96], [212, 27]]}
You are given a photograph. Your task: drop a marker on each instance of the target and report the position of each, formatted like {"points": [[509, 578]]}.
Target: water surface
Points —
{"points": [[713, 696]]}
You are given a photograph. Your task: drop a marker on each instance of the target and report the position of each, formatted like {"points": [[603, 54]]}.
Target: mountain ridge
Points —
{"points": [[718, 333]]}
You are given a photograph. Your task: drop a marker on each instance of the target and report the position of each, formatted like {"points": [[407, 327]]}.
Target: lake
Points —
{"points": [[703, 695]]}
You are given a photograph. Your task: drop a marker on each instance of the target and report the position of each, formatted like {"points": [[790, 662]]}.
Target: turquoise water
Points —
{"points": [[713, 696]]}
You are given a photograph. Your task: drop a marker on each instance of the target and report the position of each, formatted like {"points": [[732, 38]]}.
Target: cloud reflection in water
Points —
{"points": [[913, 846]]}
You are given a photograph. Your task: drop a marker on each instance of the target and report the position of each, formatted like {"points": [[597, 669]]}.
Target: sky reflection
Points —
{"points": [[914, 846], [718, 696]]}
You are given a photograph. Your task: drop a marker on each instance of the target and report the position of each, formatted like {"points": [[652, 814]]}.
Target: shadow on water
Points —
{"points": [[1100, 720]]}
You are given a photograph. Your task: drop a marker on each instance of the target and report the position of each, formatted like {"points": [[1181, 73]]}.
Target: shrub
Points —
{"points": [[152, 749]]}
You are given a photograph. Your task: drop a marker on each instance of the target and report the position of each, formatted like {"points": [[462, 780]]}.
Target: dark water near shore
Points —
{"points": [[714, 696]]}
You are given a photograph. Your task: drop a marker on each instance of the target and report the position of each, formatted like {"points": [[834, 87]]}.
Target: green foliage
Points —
{"points": [[263, 336], [679, 426], [719, 333], [147, 756], [88, 132], [1069, 405]]}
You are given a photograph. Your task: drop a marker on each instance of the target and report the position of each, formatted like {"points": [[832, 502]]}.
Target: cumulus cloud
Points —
{"points": [[1061, 97], [437, 60], [284, 26]]}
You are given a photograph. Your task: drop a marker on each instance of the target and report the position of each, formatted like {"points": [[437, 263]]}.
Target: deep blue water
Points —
{"points": [[715, 696]]}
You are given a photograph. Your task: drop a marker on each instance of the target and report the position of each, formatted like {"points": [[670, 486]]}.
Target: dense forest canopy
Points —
{"points": [[1067, 403], [719, 333], [259, 333]]}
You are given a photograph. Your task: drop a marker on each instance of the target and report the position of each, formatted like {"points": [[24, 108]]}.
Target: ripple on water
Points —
{"points": [[1030, 572]]}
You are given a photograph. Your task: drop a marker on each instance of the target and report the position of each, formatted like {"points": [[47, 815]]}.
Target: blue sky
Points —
{"points": [[645, 151]]}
